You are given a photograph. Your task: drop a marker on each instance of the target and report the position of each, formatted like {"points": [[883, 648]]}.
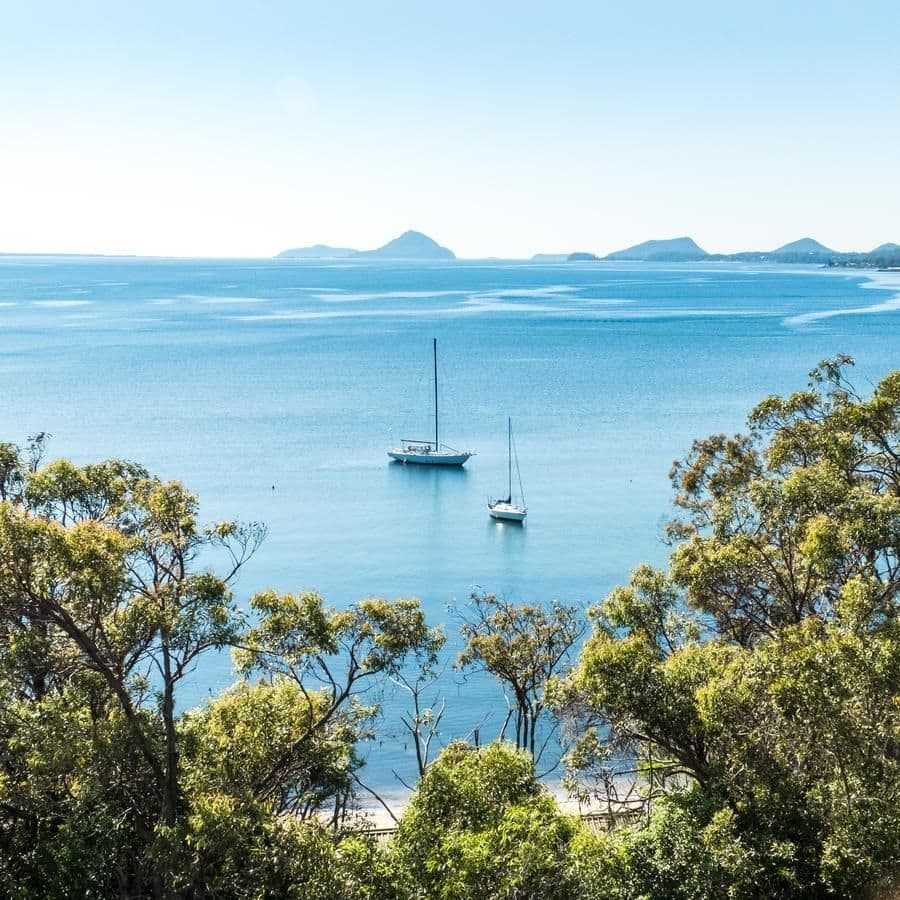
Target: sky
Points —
{"points": [[500, 129]]}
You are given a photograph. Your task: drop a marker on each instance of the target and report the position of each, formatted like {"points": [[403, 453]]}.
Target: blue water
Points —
{"points": [[235, 376]]}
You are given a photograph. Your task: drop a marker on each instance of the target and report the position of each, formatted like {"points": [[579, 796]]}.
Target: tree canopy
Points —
{"points": [[760, 669], [747, 693], [105, 606]]}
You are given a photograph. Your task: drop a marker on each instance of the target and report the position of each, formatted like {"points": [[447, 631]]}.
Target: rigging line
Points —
{"points": [[448, 395], [518, 473], [417, 401]]}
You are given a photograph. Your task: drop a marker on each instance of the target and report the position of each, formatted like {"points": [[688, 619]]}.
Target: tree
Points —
{"points": [[234, 741], [332, 658], [237, 842], [777, 521], [761, 670], [524, 647], [101, 595], [807, 734], [105, 788], [481, 826], [422, 721], [637, 684]]}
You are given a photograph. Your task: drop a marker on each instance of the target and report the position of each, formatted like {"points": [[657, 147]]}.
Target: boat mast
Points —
{"points": [[436, 445], [509, 454]]}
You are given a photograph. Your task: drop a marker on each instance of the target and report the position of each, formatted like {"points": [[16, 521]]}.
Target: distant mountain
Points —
{"points": [[317, 251], [808, 251], [413, 245], [681, 249], [410, 245], [805, 246]]}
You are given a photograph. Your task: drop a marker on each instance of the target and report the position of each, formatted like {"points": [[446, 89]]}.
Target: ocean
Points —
{"points": [[273, 389]]}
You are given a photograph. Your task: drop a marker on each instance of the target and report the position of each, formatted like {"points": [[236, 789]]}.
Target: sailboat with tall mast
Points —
{"points": [[506, 508], [430, 453]]}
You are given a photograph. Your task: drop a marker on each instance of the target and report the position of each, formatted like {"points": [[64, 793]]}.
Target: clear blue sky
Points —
{"points": [[220, 128]]}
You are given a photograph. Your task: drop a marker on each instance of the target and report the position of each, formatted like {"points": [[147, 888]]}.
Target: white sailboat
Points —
{"points": [[507, 509], [430, 453]]}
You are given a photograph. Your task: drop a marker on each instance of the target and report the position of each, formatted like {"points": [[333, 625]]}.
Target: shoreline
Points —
{"points": [[370, 815]]}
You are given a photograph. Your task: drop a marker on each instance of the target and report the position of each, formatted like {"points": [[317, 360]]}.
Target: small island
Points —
{"points": [[682, 249], [549, 257], [411, 245]]}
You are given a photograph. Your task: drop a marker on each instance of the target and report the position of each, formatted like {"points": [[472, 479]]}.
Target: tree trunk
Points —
{"points": [[169, 810]]}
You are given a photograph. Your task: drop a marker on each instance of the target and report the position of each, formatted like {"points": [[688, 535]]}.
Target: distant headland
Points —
{"points": [[685, 249], [682, 249], [412, 245]]}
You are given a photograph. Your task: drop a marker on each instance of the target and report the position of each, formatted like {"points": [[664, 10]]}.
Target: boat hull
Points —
{"points": [[429, 459], [508, 512]]}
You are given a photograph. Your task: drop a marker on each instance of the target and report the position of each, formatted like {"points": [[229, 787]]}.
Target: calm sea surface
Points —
{"points": [[237, 376]]}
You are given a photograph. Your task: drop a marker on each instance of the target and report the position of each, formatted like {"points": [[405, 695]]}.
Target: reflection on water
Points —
{"points": [[421, 482], [432, 497], [503, 524], [417, 470]]}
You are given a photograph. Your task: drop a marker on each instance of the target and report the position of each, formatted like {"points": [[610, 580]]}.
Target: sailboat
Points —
{"points": [[506, 509], [430, 453]]}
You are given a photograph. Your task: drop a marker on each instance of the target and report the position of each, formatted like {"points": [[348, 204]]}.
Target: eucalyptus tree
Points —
{"points": [[332, 658], [422, 720], [775, 523], [763, 667], [107, 601], [480, 825], [524, 647], [103, 599]]}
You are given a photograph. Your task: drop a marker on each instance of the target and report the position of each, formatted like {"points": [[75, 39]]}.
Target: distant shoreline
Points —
{"points": [[853, 264]]}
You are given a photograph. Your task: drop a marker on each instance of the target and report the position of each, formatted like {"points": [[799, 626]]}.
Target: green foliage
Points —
{"points": [[481, 827], [640, 673], [233, 744], [105, 789], [238, 852], [69, 774], [777, 522], [763, 667], [300, 640], [524, 647], [808, 731], [753, 688], [297, 632], [692, 849]]}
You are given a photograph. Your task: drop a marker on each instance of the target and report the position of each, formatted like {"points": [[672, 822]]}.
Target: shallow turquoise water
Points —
{"points": [[235, 376]]}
